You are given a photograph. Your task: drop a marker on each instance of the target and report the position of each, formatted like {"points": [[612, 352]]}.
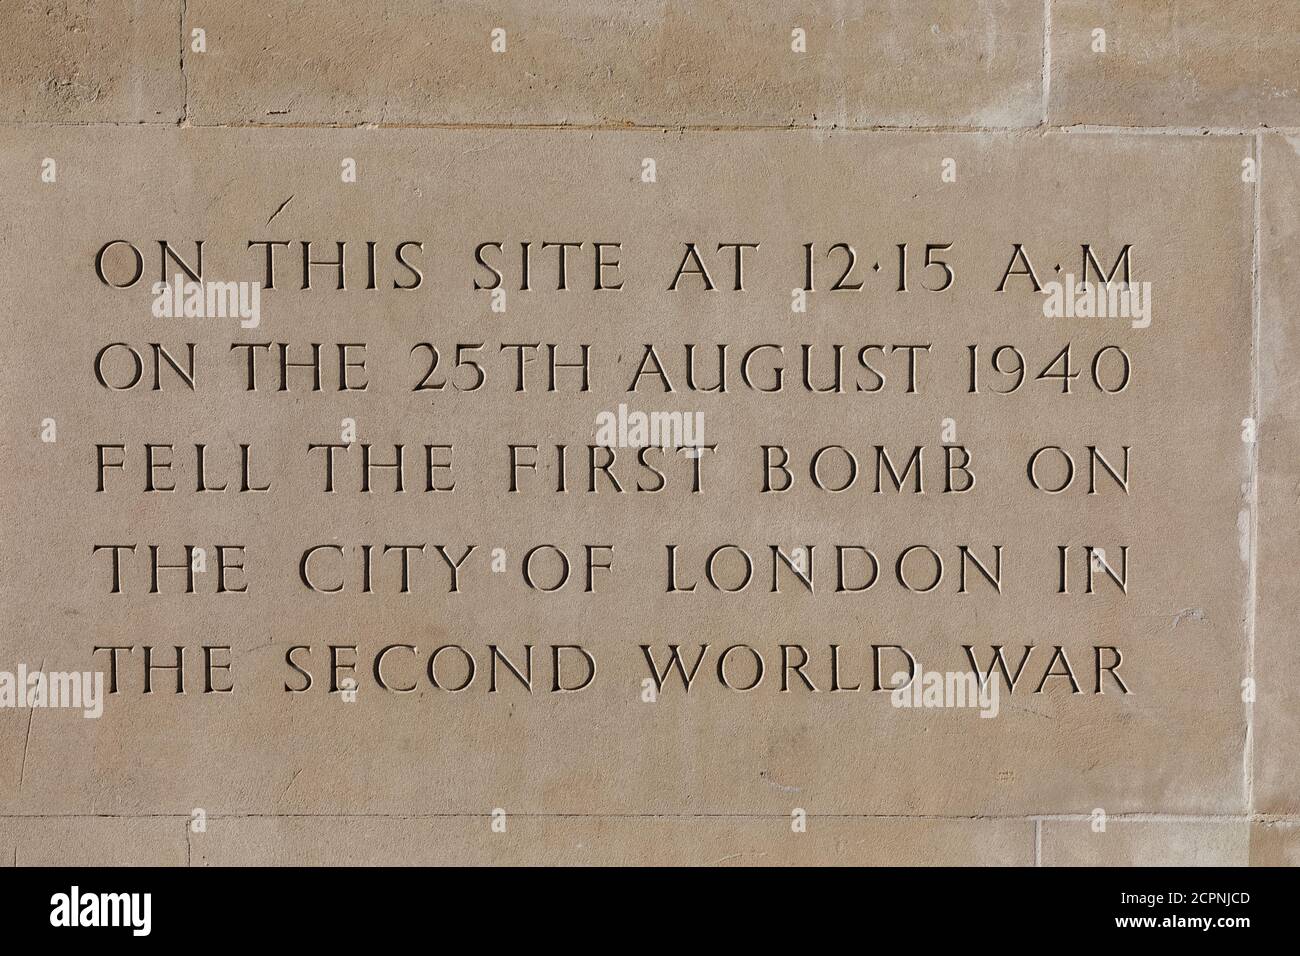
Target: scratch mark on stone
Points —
{"points": [[280, 208], [757, 854], [22, 768], [1030, 710], [781, 787], [1196, 614], [27, 739]]}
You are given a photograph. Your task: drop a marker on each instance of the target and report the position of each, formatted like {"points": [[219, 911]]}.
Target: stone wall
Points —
{"points": [[1049, 124]]}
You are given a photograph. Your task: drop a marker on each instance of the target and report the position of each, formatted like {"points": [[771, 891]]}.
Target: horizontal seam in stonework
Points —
{"points": [[1176, 131], [991, 818]]}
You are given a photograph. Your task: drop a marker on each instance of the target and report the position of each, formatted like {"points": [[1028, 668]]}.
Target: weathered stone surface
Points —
{"points": [[1275, 843], [612, 841], [623, 62], [83, 61], [92, 841], [1186, 63], [1276, 649], [1202, 755], [1174, 745], [1147, 843]]}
